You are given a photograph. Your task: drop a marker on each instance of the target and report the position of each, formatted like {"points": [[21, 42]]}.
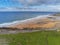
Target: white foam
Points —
{"points": [[21, 21]]}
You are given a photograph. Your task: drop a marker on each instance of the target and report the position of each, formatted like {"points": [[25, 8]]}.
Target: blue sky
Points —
{"points": [[35, 5], [10, 3]]}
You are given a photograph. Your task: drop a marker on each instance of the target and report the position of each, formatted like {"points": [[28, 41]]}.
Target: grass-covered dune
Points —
{"points": [[33, 38]]}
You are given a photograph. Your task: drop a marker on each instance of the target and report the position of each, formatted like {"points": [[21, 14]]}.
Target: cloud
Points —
{"points": [[38, 2], [31, 2], [43, 8], [32, 5]]}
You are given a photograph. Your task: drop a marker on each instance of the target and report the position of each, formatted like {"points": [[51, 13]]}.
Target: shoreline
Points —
{"points": [[22, 21], [8, 28]]}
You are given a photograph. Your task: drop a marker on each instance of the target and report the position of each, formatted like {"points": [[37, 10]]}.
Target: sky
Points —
{"points": [[30, 5]]}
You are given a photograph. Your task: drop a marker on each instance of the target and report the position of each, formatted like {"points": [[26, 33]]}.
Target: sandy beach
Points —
{"points": [[39, 23]]}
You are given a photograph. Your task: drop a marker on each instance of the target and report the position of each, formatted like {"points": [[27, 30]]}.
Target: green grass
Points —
{"points": [[34, 38]]}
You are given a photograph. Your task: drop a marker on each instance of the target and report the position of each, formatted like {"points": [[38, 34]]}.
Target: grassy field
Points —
{"points": [[34, 38]]}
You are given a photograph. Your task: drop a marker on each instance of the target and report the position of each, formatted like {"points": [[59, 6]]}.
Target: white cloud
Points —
{"points": [[38, 2], [48, 8], [38, 5]]}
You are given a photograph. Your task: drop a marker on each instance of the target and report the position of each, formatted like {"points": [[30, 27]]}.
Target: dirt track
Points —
{"points": [[16, 31]]}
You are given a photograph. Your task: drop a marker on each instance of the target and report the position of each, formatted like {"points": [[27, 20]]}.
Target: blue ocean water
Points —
{"points": [[6, 17]]}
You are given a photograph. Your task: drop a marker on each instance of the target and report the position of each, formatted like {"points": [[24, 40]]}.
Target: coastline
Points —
{"points": [[39, 23], [22, 21]]}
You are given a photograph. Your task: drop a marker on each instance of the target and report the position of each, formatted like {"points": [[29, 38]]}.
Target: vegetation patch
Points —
{"points": [[33, 38]]}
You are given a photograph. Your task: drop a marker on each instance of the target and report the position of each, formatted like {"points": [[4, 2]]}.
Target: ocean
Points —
{"points": [[6, 17]]}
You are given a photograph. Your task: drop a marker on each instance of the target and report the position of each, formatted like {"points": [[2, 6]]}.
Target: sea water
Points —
{"points": [[6, 17]]}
